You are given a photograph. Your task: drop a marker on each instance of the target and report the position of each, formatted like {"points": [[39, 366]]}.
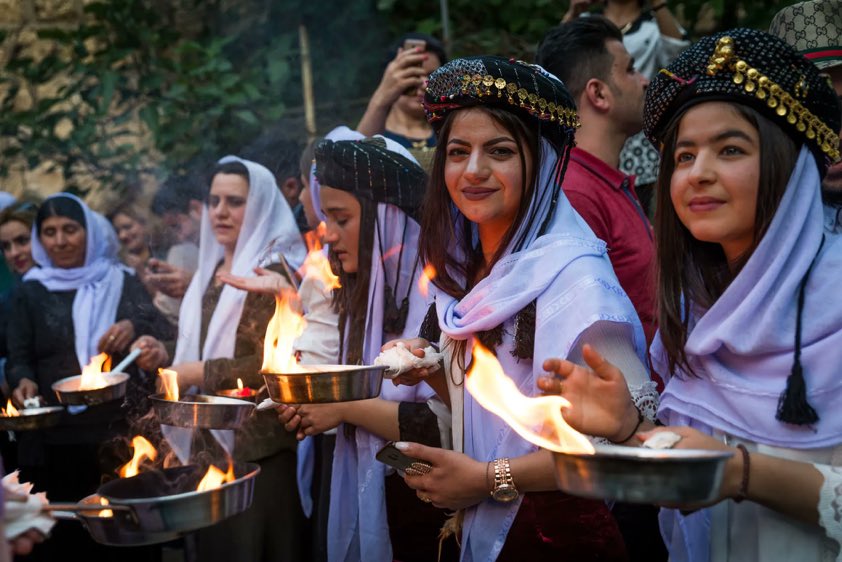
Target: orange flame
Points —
{"points": [[239, 383], [316, 264], [537, 419], [9, 410], [427, 275], [105, 512], [92, 377], [170, 380], [283, 329], [142, 449], [214, 478]]}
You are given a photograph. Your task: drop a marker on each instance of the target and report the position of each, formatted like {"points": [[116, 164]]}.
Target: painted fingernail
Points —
{"points": [[401, 445]]}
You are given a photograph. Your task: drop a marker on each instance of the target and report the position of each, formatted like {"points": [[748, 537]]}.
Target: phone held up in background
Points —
{"points": [[411, 45]]}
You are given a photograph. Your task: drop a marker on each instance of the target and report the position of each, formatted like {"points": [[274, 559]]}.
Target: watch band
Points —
{"points": [[504, 485]]}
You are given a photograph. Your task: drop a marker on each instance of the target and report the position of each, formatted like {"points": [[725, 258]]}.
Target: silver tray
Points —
{"points": [[641, 475], [202, 410], [324, 384], [68, 393]]}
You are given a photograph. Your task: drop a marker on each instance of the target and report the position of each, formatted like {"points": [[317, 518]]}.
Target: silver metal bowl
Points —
{"points": [[247, 394], [641, 475], [325, 383], [32, 418], [201, 410], [68, 393]]}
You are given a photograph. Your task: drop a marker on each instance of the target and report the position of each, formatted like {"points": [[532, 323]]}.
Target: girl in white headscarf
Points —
{"points": [[220, 339]]}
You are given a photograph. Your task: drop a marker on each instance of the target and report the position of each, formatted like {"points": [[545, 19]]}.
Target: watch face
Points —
{"points": [[505, 493]]}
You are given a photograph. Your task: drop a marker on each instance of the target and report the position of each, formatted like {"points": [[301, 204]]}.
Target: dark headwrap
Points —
{"points": [[368, 169], [60, 207], [756, 69]]}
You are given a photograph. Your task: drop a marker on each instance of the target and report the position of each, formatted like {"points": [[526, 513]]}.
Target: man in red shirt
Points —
{"points": [[588, 55]]}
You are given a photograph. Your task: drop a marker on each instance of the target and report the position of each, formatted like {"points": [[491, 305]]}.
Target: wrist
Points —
{"points": [[633, 420], [739, 475], [657, 6]]}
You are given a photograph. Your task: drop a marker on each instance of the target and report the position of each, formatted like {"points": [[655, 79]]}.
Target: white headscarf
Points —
{"points": [[98, 283], [268, 219]]}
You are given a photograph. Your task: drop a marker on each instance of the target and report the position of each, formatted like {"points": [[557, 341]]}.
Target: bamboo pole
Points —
{"points": [[307, 82]]}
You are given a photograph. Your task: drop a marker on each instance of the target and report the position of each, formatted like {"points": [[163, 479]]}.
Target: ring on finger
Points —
{"points": [[424, 498]]}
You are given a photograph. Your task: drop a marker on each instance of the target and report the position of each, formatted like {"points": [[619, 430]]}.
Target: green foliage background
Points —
{"points": [[147, 87]]}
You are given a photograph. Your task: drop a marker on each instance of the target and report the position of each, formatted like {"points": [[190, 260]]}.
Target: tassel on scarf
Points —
{"points": [[452, 528], [793, 406]]}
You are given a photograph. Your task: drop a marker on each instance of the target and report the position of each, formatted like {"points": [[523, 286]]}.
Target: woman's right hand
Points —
{"points": [[153, 354], [403, 73], [600, 402], [266, 282], [289, 418], [26, 389]]}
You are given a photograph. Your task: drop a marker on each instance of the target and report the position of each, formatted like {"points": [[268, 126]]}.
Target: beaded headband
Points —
{"points": [[525, 88], [757, 69]]}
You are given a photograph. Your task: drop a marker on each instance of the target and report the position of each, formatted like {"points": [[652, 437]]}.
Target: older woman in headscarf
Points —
{"points": [[79, 302], [221, 332]]}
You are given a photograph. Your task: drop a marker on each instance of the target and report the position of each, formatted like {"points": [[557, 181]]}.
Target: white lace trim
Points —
{"points": [[830, 504], [646, 398]]}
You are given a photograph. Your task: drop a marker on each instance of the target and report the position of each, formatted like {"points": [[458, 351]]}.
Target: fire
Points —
{"points": [[283, 329], [9, 410], [92, 377], [142, 449], [316, 264], [170, 380], [427, 275], [239, 383], [536, 419], [105, 512], [214, 478]]}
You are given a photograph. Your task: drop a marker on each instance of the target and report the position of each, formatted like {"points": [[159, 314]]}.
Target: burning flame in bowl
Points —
{"points": [[170, 380], [105, 512], [9, 411], [281, 332], [537, 419], [214, 478], [142, 449], [92, 373], [316, 263], [427, 275]]}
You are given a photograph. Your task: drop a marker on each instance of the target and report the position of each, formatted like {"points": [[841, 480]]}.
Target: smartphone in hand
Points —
{"points": [[411, 45], [395, 458]]}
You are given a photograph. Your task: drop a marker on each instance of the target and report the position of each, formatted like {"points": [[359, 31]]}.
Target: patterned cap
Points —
{"points": [[814, 29], [512, 85], [756, 69], [368, 169]]}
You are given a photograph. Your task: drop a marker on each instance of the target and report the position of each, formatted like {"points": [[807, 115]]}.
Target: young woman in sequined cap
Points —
{"points": [[748, 284], [519, 271]]}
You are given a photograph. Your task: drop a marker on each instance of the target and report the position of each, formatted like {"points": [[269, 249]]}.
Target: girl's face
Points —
{"points": [[15, 241], [227, 207], [131, 233], [717, 172], [64, 240], [483, 172], [343, 226]]}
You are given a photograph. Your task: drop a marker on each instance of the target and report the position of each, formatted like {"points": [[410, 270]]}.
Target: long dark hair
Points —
{"points": [[695, 273], [351, 300], [438, 227]]}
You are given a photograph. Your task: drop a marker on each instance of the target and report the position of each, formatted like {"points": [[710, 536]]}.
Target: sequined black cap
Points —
{"points": [[513, 85], [368, 169], [756, 69]]}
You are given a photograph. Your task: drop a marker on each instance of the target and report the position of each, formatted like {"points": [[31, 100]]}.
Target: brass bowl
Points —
{"points": [[322, 384], [245, 393], [32, 418], [641, 475], [68, 393]]}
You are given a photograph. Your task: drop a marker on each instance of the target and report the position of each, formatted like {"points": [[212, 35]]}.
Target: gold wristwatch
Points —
{"points": [[504, 486]]}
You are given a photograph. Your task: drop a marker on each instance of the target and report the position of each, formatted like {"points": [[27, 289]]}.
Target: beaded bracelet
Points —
{"points": [[743, 491]]}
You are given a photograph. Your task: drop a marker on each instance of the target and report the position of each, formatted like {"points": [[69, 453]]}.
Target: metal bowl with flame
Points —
{"points": [[68, 390], [29, 419], [160, 505], [641, 475], [201, 410], [321, 384]]}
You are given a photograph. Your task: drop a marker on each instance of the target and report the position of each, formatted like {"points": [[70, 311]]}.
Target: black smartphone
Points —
{"points": [[411, 45], [393, 457]]}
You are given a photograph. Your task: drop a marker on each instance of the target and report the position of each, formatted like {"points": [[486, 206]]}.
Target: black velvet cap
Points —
{"points": [[368, 169], [512, 85], [756, 69]]}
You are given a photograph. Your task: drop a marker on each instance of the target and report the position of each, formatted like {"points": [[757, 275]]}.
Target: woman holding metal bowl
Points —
{"points": [[748, 288]]}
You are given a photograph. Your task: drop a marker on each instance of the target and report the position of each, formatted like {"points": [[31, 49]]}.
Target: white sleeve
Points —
{"points": [[830, 503], [614, 342]]}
